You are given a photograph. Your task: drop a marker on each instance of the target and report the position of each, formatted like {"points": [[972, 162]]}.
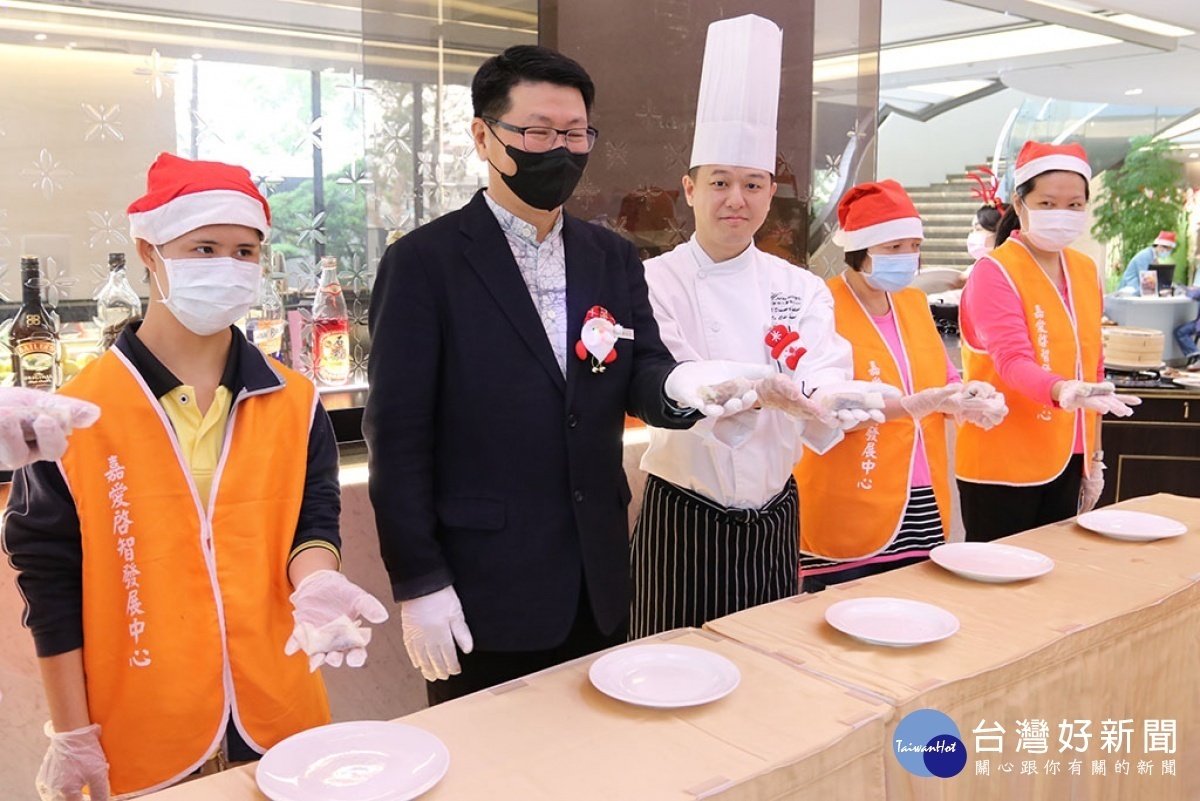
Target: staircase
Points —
{"points": [[947, 210]]}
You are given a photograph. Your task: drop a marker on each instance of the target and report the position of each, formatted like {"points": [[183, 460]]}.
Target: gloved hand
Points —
{"points": [[326, 606], [854, 402], [432, 624], [73, 760], [1091, 487], [778, 391], [703, 385], [928, 401], [34, 424], [979, 403], [1097, 397]]}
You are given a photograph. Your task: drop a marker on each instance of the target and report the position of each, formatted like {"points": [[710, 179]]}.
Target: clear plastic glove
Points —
{"points": [[34, 425], [326, 607], [780, 392], [1097, 397], [432, 624], [934, 399], [714, 387], [1091, 487], [854, 402], [981, 404], [73, 761]]}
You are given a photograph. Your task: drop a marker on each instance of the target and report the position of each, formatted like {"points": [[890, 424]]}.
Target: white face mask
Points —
{"points": [[1053, 229], [977, 244], [208, 295]]}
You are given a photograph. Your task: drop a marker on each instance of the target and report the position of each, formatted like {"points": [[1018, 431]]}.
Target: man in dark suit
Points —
{"points": [[494, 436]]}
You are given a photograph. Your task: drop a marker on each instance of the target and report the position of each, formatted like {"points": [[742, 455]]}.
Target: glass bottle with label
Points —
{"points": [[116, 303], [33, 337], [265, 323], [331, 329]]}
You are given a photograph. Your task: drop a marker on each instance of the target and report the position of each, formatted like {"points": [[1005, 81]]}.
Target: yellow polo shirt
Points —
{"points": [[200, 434]]}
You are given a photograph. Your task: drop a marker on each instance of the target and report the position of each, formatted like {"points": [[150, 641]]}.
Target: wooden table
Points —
{"points": [[782, 734], [1112, 633]]}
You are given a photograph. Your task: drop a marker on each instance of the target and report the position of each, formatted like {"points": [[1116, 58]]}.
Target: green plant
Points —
{"points": [[1141, 196]]}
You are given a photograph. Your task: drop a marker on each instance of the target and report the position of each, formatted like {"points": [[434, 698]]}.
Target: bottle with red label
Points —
{"points": [[331, 329]]}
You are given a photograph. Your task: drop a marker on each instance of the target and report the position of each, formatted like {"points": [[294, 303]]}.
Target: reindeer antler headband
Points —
{"points": [[987, 190]]}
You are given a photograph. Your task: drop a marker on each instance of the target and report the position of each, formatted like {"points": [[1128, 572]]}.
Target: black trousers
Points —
{"points": [[992, 511], [483, 669]]}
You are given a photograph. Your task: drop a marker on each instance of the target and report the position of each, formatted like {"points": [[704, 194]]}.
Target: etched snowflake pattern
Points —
{"points": [[353, 179], [268, 184], [157, 75], [358, 87], [5, 242], [99, 276], [106, 230], [313, 230], [57, 283], [616, 225], [4, 281], [46, 173], [312, 137], [204, 131], [355, 275], [678, 230], [305, 278], [393, 139], [102, 123], [586, 192], [617, 154], [677, 156], [359, 312], [358, 364], [647, 116]]}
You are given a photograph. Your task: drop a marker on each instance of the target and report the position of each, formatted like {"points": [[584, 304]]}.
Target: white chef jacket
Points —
{"points": [[709, 310]]}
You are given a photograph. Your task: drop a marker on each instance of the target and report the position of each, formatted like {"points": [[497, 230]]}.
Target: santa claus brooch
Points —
{"points": [[598, 339], [785, 347]]}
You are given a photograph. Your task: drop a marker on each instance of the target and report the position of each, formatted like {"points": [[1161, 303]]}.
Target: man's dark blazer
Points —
{"points": [[488, 470]]}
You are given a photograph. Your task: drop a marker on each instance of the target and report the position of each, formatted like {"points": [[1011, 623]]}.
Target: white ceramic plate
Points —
{"points": [[895, 622], [992, 562], [1121, 524], [1190, 381], [664, 676], [367, 760]]}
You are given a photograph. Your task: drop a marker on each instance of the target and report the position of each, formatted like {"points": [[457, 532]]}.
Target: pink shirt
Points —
{"points": [[891, 336], [992, 319]]}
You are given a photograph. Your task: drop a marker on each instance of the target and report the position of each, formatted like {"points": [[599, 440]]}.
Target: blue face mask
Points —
{"points": [[891, 272]]}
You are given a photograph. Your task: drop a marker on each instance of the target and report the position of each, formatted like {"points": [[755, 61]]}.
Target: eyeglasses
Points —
{"points": [[539, 138]]}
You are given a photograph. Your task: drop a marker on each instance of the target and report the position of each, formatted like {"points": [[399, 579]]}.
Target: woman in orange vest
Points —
{"points": [[880, 499], [1030, 324], [182, 553]]}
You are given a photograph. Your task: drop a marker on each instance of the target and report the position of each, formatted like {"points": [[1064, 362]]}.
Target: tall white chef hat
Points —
{"points": [[739, 94]]}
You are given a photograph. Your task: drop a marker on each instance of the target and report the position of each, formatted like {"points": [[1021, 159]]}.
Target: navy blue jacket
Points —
{"points": [[488, 470]]}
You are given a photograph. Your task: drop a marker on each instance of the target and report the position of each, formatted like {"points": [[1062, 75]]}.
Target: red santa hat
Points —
{"points": [[599, 311], [1036, 158], [871, 214], [1166, 238], [183, 195]]}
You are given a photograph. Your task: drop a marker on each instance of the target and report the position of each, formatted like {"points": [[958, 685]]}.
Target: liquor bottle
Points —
{"points": [[331, 329], [266, 322], [33, 338], [116, 303]]}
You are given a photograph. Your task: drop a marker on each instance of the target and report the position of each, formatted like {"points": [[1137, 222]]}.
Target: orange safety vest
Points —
{"points": [[853, 497], [186, 612], [1034, 443]]}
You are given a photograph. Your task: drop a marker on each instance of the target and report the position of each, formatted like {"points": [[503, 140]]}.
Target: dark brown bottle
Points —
{"points": [[33, 338]]}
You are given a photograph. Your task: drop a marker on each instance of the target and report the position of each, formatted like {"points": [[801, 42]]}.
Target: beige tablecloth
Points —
{"points": [[1113, 632], [782, 734]]}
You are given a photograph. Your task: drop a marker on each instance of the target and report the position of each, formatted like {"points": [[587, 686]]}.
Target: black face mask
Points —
{"points": [[544, 180]]}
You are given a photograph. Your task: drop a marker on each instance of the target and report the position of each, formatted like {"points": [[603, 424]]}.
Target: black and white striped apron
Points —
{"points": [[694, 561]]}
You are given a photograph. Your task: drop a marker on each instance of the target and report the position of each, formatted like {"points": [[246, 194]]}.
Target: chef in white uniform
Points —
{"points": [[718, 527]]}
